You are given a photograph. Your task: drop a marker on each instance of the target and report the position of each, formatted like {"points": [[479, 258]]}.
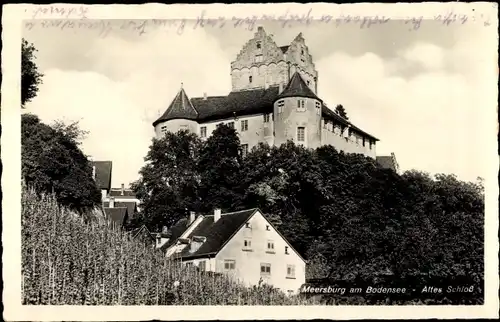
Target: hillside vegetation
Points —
{"points": [[66, 261]]}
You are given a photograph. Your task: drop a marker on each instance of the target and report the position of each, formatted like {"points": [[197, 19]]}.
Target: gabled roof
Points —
{"points": [[130, 205], [175, 232], [142, 231], [297, 88], [180, 107], [217, 234], [103, 174], [117, 215]]}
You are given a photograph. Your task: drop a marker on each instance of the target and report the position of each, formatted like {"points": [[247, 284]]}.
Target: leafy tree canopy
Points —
{"points": [[52, 162], [31, 78]]}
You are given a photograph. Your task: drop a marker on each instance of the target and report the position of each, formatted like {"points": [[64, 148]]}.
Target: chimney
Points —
{"points": [[123, 189], [111, 202], [217, 213], [192, 216], [280, 88], [205, 96]]}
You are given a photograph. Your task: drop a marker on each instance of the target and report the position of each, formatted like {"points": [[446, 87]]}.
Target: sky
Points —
{"points": [[421, 92]]}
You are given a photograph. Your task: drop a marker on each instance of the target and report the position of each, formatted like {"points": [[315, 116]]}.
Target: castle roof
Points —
{"points": [[180, 107], [297, 88], [243, 102]]}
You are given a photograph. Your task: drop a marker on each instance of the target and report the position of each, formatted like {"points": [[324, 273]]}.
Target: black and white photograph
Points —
{"points": [[290, 157]]}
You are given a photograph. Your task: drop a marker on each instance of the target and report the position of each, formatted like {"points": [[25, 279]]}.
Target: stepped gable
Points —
{"points": [[180, 108], [298, 88]]}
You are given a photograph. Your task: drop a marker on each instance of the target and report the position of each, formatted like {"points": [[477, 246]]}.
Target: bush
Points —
{"points": [[69, 261]]}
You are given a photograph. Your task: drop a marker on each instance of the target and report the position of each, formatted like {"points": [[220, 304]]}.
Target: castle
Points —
{"points": [[273, 99]]}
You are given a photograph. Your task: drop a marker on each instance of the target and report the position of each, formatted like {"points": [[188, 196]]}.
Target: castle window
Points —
{"points": [[259, 59], [244, 150], [267, 117], [231, 125], [302, 51], [203, 131], [163, 129], [301, 105], [250, 79], [318, 108], [244, 125], [259, 46], [301, 134], [281, 104]]}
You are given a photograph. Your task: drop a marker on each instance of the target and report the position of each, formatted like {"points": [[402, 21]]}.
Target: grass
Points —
{"points": [[68, 261]]}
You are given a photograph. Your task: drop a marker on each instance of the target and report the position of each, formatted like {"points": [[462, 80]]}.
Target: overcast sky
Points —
{"points": [[421, 92]]}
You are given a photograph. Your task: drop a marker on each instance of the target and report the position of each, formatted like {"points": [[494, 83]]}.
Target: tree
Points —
{"points": [[219, 168], [52, 162], [341, 111], [31, 78], [169, 182]]}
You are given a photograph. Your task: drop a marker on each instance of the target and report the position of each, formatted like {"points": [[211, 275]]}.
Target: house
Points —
{"points": [[242, 244], [124, 195], [388, 162], [101, 173], [131, 206], [274, 98]]}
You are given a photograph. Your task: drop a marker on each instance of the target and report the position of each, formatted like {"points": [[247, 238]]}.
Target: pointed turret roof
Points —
{"points": [[180, 108], [297, 88]]}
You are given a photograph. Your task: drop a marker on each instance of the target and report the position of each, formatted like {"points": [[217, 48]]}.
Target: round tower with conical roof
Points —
{"points": [[180, 115], [297, 114]]}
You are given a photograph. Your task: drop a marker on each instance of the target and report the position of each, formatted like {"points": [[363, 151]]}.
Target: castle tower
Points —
{"points": [[180, 115], [297, 114]]}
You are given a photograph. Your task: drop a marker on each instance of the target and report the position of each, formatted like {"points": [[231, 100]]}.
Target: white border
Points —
{"points": [[11, 183]]}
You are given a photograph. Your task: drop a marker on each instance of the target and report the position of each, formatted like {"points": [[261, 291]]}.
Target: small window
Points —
{"points": [[247, 225], [281, 104], [259, 45], [302, 51], [265, 269], [247, 244], [244, 125], [364, 142], [267, 117], [231, 125], [229, 265], [244, 150], [259, 59], [286, 250], [290, 271], [250, 79], [301, 136], [270, 245], [203, 131], [308, 83], [267, 227], [301, 105], [163, 129], [202, 266]]}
